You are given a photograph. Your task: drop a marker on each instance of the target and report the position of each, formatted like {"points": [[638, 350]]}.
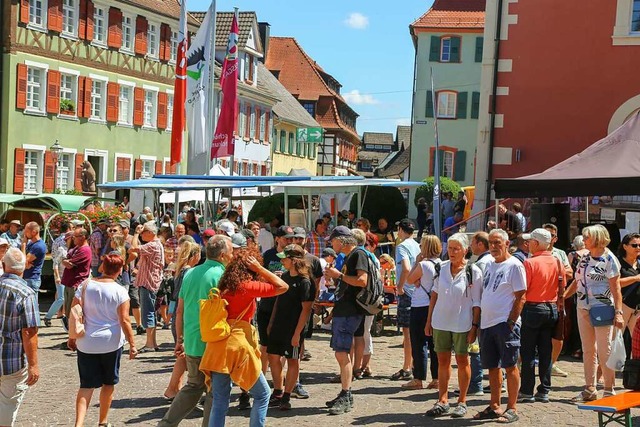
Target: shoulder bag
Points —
{"points": [[600, 315], [76, 316]]}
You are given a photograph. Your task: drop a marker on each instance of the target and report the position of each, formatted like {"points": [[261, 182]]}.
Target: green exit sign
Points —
{"points": [[309, 134]]}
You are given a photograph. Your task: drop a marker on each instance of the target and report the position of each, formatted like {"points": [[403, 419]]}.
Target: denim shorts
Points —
{"points": [[100, 369], [343, 330], [500, 346], [148, 307], [404, 310]]}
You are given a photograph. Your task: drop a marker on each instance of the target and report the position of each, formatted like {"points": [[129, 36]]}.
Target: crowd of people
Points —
{"points": [[494, 300]]}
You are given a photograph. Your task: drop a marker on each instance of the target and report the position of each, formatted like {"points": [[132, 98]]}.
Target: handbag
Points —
{"points": [[631, 374], [213, 317], [599, 315], [558, 332], [76, 316]]}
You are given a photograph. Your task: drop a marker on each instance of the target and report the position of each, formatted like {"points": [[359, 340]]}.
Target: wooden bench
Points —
{"points": [[614, 409]]}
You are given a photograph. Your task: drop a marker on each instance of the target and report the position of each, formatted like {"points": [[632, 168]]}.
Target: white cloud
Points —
{"points": [[357, 98], [403, 122], [357, 21]]}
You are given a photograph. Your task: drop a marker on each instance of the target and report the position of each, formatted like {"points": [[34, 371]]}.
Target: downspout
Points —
{"points": [[494, 91]]}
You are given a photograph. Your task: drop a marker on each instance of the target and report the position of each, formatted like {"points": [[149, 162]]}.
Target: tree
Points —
{"points": [[426, 190], [268, 208]]}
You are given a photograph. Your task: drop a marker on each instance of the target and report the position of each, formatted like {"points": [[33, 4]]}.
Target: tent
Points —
{"points": [[610, 166]]}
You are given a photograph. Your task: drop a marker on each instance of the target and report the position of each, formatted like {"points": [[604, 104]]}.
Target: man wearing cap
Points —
{"points": [[238, 241], [35, 250], [539, 315], [96, 242], [13, 234], [226, 227], [347, 315], [316, 239], [252, 238]]}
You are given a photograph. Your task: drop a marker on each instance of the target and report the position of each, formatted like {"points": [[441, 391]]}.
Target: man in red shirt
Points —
{"points": [[539, 315], [77, 266]]}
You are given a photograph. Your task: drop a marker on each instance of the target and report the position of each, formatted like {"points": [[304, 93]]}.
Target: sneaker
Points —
{"points": [[341, 406], [285, 405], [480, 392], [274, 400], [557, 372], [525, 398], [47, 323], [140, 330], [412, 385], [439, 410], [357, 374], [541, 397], [332, 402], [459, 411], [244, 401], [299, 393], [65, 323]]}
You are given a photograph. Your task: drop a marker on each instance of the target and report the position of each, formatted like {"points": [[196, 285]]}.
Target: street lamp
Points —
{"points": [[55, 149]]}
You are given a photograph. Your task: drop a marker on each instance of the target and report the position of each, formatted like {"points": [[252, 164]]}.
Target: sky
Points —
{"points": [[364, 44]]}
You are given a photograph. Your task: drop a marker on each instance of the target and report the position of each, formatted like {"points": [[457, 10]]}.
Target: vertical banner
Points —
{"points": [[180, 89]]}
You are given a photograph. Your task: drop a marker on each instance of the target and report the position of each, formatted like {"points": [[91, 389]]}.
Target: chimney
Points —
{"points": [[264, 29]]}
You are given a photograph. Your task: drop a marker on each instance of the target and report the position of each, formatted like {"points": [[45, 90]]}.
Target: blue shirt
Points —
{"points": [[15, 240], [39, 250], [17, 311], [409, 249], [340, 261]]}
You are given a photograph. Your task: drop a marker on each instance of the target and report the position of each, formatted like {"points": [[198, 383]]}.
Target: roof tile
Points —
{"points": [[223, 25], [453, 14]]}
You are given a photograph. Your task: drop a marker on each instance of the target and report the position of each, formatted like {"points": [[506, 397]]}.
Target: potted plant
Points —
{"points": [[67, 107]]}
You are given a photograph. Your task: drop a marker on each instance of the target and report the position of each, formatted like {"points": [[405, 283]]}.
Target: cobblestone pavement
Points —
{"points": [[378, 401]]}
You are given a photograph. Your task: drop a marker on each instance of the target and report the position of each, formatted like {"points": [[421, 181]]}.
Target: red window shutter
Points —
{"points": [[266, 126], [77, 179], [165, 42], [138, 106], [54, 18], [263, 170], [21, 87], [53, 92], [126, 169], [247, 121], [24, 11], [158, 169], [48, 181], [137, 169], [89, 20], [86, 97], [82, 20], [167, 168], [113, 93], [114, 38], [119, 168], [162, 110], [141, 35], [18, 171]]}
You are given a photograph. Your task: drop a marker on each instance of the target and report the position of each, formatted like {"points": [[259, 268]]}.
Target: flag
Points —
{"points": [[180, 88], [223, 139], [198, 80]]}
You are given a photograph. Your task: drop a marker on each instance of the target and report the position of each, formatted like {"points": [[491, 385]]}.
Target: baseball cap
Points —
{"points": [[328, 251], [284, 231], [103, 221], [291, 251], [208, 232], [227, 227], [124, 223], [299, 232], [238, 241], [539, 234], [406, 225], [248, 234], [3, 241], [340, 231], [16, 222], [344, 213]]}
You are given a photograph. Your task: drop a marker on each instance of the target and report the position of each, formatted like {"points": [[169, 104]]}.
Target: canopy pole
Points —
{"points": [[586, 207], [286, 206], [497, 212], [304, 208], [360, 201], [205, 210], [310, 209]]}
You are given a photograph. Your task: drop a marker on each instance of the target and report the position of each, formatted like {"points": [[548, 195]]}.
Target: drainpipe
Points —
{"points": [[494, 91]]}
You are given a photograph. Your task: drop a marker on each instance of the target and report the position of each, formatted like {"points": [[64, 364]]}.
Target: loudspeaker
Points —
{"points": [[614, 234], [558, 214]]}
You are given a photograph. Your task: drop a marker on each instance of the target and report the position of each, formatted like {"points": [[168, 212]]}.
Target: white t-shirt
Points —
{"points": [[103, 333], [420, 296], [409, 249], [323, 281], [456, 298], [501, 281], [483, 260]]}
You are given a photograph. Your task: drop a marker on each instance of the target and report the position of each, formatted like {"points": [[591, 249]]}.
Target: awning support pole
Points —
{"points": [[310, 209], [286, 206], [360, 200], [497, 212], [205, 210], [586, 207]]}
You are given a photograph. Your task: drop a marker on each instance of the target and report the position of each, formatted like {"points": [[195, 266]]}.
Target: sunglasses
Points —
{"points": [[113, 230], [634, 245]]}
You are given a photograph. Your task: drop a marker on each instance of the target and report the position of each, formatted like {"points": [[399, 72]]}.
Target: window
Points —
{"points": [[68, 93], [283, 141], [241, 120], [125, 105], [150, 105], [169, 111], [98, 99], [35, 89], [37, 13], [292, 143], [99, 25], [445, 49], [127, 33], [365, 166], [447, 105], [174, 46], [252, 124], [62, 171], [248, 67], [635, 16], [31, 167], [69, 17], [447, 164], [152, 40], [148, 168], [263, 116], [310, 107]]}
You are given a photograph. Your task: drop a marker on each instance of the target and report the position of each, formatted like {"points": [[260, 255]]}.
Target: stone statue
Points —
{"points": [[88, 178]]}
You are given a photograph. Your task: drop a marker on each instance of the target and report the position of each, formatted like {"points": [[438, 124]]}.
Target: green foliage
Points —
{"points": [[69, 192], [67, 105], [426, 190], [380, 202], [269, 207]]}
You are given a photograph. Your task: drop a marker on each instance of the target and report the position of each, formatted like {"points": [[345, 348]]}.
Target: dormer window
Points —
{"points": [[248, 67]]}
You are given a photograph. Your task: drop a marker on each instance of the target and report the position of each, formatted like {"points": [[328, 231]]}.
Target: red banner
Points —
{"points": [[223, 138], [180, 89]]}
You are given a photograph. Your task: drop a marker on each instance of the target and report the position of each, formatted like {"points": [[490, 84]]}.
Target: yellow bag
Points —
{"points": [[213, 317]]}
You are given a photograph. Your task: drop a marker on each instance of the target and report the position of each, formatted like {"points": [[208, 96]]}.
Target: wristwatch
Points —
{"points": [[619, 312]]}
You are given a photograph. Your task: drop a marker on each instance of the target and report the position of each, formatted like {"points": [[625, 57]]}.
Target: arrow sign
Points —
{"points": [[309, 134]]}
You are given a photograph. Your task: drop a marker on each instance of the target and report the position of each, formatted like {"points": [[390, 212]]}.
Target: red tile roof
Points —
{"points": [[169, 8], [467, 14]]}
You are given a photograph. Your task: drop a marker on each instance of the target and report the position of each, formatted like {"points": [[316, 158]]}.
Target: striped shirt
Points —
{"points": [[150, 266], [17, 311]]}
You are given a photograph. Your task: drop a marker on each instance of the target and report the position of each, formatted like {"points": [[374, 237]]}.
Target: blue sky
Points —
{"points": [[364, 44]]}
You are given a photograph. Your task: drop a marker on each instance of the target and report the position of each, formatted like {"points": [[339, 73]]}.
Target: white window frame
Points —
{"points": [[102, 80], [153, 91], [169, 110], [448, 159], [39, 150], [105, 24], [242, 119], [622, 34], [131, 86], [115, 164], [145, 161], [173, 56], [42, 93], [74, 11], [131, 27], [442, 49], [74, 74], [263, 121], [165, 160], [449, 112], [252, 123], [153, 40], [42, 26], [71, 152]]}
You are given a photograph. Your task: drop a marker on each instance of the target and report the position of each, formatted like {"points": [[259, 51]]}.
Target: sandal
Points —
{"points": [[487, 413], [438, 410], [412, 385], [402, 375], [507, 417], [585, 396], [366, 373], [433, 385]]}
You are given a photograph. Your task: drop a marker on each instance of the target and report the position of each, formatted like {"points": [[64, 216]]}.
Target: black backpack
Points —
{"points": [[371, 297]]}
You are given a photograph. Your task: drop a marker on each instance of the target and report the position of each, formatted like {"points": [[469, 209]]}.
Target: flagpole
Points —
{"points": [[436, 167], [211, 88], [232, 158]]}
